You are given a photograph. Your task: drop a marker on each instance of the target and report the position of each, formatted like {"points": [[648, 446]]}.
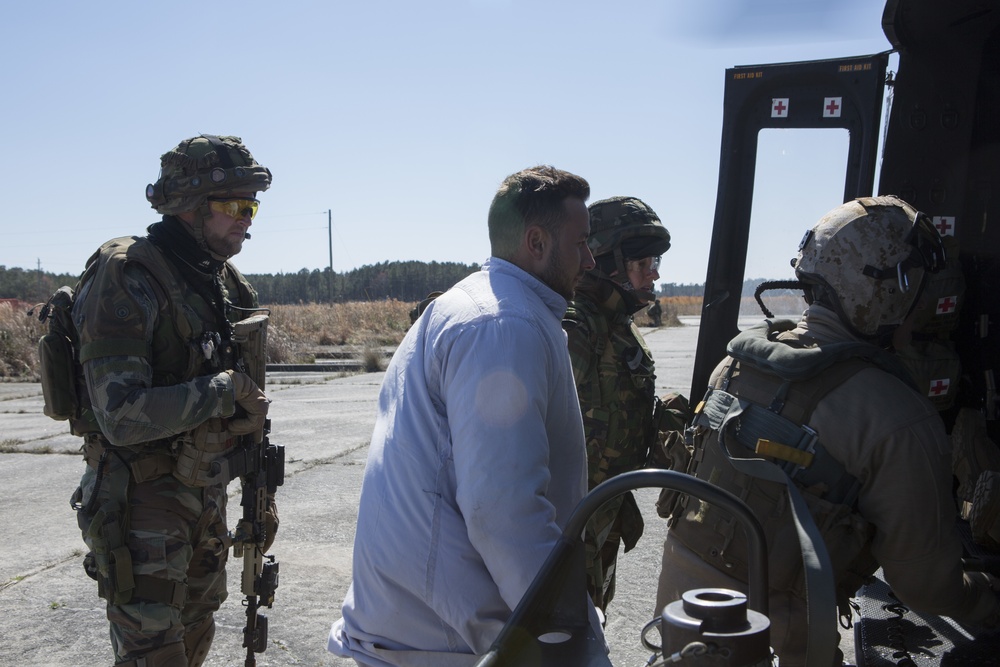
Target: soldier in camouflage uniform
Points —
{"points": [[614, 371], [154, 315]]}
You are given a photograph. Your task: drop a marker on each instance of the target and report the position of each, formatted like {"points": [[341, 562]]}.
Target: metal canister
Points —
{"points": [[714, 626]]}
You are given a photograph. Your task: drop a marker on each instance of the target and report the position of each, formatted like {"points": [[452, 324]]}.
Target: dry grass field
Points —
{"points": [[297, 333], [294, 334], [19, 336]]}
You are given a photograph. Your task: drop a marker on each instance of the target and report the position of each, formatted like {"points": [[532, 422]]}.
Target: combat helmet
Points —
{"points": [[867, 260], [623, 229], [204, 165]]}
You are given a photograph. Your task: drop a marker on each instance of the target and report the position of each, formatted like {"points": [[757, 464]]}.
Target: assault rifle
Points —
{"points": [[260, 571], [262, 467]]}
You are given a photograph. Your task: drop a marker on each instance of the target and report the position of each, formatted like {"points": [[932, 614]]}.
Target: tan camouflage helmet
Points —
{"points": [[867, 260], [202, 166]]}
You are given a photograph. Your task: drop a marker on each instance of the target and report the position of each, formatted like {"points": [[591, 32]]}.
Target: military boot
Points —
{"points": [[984, 518], [972, 451]]}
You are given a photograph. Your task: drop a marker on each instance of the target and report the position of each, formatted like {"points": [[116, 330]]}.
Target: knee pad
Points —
{"points": [[170, 655], [198, 639]]}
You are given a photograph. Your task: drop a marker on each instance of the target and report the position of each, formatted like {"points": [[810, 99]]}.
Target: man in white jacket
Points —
{"points": [[478, 457]]}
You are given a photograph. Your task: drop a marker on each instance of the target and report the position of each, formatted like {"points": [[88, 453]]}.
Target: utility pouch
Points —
{"points": [[936, 370], [941, 300], [201, 455], [63, 385], [59, 365], [677, 455], [671, 412], [90, 567], [110, 555]]}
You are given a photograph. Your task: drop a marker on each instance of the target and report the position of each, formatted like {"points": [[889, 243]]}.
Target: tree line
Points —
{"points": [[405, 281]]}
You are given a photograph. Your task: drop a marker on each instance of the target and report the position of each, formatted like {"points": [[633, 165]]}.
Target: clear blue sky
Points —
{"points": [[402, 117]]}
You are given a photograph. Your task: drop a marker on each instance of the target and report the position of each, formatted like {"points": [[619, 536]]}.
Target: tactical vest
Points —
{"points": [[778, 381], [176, 353], [183, 346]]}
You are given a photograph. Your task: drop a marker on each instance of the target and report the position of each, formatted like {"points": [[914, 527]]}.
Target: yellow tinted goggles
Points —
{"points": [[236, 208]]}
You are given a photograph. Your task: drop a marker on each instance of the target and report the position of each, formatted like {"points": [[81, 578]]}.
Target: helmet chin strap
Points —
{"points": [[626, 283], [644, 294], [635, 298]]}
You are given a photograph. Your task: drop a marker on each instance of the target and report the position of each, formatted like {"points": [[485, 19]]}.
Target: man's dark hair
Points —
{"points": [[532, 196]]}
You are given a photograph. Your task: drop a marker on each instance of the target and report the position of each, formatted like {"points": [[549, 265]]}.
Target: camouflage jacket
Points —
{"points": [[614, 379], [615, 382], [150, 368]]}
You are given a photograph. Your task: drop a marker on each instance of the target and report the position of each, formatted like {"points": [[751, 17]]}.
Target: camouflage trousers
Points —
{"points": [[169, 527], [617, 521]]}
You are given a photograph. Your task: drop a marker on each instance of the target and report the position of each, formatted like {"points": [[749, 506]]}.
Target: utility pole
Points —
{"points": [[329, 231]]}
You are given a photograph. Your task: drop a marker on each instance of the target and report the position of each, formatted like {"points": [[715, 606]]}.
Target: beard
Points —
{"points": [[224, 246], [558, 276]]}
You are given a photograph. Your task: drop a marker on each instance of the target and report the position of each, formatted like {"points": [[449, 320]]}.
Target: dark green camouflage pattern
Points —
{"points": [[203, 166], [616, 384], [152, 378], [615, 220], [126, 341], [171, 528]]}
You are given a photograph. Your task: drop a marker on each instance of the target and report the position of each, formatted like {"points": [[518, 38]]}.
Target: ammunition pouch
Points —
{"points": [[201, 455]]}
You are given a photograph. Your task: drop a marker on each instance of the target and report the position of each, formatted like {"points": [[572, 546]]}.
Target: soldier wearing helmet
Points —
{"points": [[817, 423], [155, 317], [613, 370]]}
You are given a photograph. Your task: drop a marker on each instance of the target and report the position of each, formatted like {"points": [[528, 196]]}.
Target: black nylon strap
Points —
{"points": [[164, 591], [821, 598], [221, 149]]}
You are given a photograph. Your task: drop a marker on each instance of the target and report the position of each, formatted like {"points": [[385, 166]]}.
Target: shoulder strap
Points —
{"points": [[720, 409]]}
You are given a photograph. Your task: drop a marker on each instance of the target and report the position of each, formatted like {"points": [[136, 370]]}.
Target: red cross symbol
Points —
{"points": [[831, 107], [946, 305], [945, 224], [939, 387], [779, 107]]}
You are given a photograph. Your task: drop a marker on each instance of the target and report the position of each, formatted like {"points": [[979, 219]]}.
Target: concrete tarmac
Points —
{"points": [[51, 612]]}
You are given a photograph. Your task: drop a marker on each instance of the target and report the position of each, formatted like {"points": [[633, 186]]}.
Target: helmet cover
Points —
{"points": [[203, 166], [626, 224], [867, 260]]}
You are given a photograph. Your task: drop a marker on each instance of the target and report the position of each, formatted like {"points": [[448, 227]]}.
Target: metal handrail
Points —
{"points": [[572, 539]]}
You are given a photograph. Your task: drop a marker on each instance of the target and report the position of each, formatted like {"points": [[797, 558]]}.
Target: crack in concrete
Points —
{"points": [[13, 581]]}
